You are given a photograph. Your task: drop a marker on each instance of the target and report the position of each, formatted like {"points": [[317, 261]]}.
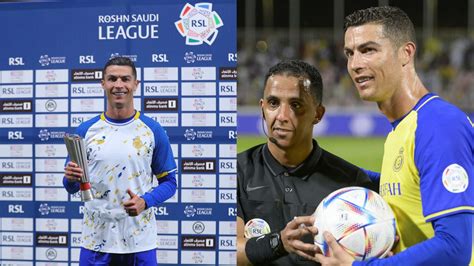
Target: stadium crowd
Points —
{"points": [[446, 67]]}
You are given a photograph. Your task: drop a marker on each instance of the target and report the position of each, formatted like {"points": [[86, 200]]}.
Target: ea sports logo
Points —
{"points": [[199, 24]]}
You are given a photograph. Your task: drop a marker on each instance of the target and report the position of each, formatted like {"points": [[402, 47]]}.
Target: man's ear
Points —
{"points": [[407, 53], [261, 108], [320, 110]]}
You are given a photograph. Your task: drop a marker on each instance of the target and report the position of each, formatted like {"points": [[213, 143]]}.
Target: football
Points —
{"points": [[360, 220]]}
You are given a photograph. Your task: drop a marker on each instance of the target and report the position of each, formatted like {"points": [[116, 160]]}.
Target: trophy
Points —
{"points": [[77, 153]]}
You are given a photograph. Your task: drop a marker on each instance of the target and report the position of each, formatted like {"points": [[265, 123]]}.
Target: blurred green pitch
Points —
{"points": [[363, 152]]}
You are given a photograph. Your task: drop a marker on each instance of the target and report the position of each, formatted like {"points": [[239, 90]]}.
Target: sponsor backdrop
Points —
{"points": [[51, 57]]}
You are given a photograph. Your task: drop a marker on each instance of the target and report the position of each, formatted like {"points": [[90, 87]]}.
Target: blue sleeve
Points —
{"points": [[71, 187], [451, 245], [164, 191], [444, 148], [163, 166], [374, 176]]}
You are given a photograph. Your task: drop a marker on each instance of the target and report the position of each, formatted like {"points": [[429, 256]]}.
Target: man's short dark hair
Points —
{"points": [[120, 61], [300, 69], [397, 25]]}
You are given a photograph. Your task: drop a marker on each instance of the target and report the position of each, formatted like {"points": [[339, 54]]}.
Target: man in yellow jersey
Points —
{"points": [[427, 170]]}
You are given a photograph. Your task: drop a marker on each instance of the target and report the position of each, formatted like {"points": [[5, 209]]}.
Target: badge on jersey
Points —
{"points": [[455, 178], [256, 227]]}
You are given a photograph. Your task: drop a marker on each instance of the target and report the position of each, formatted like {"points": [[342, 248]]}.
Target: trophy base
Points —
{"points": [[86, 195]]}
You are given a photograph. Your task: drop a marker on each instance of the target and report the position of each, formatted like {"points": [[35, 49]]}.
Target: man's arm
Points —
{"points": [[165, 190], [451, 245], [374, 176], [72, 177], [264, 249]]}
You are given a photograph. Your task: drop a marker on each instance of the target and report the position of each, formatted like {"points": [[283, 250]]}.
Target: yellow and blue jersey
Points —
{"points": [[427, 170]]}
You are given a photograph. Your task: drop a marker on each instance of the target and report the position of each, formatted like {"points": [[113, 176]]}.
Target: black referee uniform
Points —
{"points": [[276, 194]]}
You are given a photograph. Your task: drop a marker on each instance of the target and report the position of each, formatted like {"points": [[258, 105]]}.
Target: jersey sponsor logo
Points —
{"points": [[228, 73], [398, 163], [390, 189], [199, 24], [455, 178]]}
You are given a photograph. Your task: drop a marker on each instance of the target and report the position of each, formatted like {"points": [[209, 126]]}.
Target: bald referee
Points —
{"points": [[287, 177]]}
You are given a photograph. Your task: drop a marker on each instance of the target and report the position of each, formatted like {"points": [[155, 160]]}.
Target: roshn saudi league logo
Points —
{"points": [[199, 24]]}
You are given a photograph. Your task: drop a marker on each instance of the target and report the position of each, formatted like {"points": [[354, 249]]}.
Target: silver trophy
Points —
{"points": [[77, 153]]}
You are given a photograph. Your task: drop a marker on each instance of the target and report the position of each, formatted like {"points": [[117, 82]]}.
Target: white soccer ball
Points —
{"points": [[360, 220]]}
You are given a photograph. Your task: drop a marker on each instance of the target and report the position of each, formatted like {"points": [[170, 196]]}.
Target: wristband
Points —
{"points": [[265, 248]]}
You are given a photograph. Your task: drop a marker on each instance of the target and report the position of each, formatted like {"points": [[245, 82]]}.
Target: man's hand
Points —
{"points": [[135, 205], [292, 233], [337, 255], [73, 172]]}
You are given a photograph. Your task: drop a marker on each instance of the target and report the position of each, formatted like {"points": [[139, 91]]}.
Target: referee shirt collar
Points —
{"points": [[303, 171]]}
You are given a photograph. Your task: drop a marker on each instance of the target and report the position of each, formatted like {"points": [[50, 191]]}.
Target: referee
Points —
{"points": [[281, 182]]}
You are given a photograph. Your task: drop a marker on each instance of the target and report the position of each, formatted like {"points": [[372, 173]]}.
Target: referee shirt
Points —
{"points": [[270, 191]]}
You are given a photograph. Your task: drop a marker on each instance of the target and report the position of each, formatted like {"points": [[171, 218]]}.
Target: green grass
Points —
{"points": [[363, 152]]}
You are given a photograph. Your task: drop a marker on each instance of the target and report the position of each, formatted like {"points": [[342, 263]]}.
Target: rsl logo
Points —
{"points": [[398, 163], [199, 24]]}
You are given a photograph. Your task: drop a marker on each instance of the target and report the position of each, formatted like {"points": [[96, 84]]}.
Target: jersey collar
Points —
{"points": [[124, 121], [303, 171], [418, 105]]}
